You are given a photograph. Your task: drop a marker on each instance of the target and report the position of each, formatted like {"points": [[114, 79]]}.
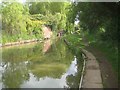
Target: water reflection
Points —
{"points": [[28, 67], [47, 44], [50, 82], [73, 67]]}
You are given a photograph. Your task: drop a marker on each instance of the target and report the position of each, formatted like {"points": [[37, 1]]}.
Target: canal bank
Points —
{"points": [[19, 42], [101, 52], [91, 74], [109, 76]]}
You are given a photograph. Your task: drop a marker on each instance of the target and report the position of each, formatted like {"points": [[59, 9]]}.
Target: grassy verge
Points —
{"points": [[110, 52], [107, 48], [75, 42]]}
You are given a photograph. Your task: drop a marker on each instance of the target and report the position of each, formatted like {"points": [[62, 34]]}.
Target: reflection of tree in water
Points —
{"points": [[73, 81], [52, 70], [47, 45], [52, 64], [15, 61], [14, 75]]}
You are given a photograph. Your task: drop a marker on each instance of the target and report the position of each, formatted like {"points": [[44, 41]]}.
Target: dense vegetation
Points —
{"points": [[99, 26], [24, 21]]}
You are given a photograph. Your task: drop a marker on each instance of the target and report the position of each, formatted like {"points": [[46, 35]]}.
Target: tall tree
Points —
{"points": [[13, 15], [97, 17]]}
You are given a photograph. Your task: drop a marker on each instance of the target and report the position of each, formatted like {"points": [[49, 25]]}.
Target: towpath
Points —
{"points": [[92, 75]]}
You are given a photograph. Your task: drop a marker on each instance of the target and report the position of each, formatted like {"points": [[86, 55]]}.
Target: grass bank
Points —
{"points": [[107, 48]]}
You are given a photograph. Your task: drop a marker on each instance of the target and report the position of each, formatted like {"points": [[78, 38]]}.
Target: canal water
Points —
{"points": [[50, 64]]}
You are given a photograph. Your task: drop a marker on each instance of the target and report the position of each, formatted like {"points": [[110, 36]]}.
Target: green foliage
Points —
{"points": [[34, 27], [46, 8], [19, 24], [53, 13], [13, 19], [56, 7], [99, 25], [39, 7], [7, 38], [75, 43], [110, 52], [94, 16]]}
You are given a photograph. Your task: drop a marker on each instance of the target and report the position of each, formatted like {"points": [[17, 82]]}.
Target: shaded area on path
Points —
{"points": [[109, 76], [92, 77]]}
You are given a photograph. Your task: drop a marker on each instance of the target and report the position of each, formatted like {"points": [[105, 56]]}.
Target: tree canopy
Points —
{"points": [[97, 17], [100, 18]]}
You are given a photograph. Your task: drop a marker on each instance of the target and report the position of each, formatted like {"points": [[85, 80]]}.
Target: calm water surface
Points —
{"points": [[39, 65]]}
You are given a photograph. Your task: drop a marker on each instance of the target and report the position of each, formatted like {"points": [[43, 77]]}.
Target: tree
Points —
{"points": [[39, 7], [13, 15], [96, 16]]}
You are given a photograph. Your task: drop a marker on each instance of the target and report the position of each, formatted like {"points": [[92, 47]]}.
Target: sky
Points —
{"points": [[22, 1]]}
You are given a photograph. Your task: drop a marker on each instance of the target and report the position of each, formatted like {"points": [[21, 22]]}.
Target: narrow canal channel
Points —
{"points": [[40, 65]]}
